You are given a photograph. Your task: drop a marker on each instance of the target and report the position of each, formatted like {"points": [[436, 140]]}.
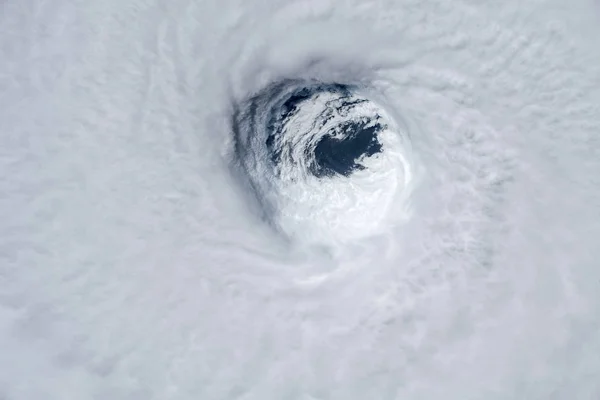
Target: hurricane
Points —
{"points": [[303, 200]]}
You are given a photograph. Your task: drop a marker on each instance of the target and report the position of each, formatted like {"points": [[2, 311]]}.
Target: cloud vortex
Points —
{"points": [[325, 160]]}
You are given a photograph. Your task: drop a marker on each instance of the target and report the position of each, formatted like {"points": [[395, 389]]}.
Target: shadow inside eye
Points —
{"points": [[340, 155]]}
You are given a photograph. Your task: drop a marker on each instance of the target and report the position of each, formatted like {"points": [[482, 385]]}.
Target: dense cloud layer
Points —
{"points": [[138, 260]]}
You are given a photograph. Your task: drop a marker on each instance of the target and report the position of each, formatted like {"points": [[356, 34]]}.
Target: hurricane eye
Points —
{"points": [[325, 160]]}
